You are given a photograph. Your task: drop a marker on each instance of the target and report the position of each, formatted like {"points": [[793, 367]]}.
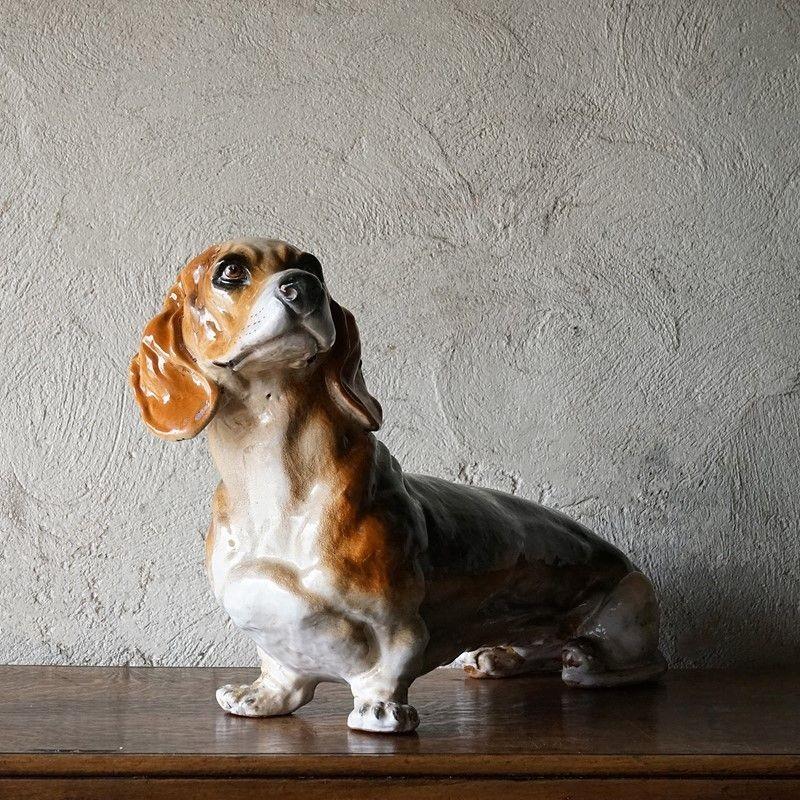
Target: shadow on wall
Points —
{"points": [[731, 611], [722, 598]]}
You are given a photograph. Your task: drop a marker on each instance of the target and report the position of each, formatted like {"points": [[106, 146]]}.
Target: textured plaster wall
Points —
{"points": [[569, 231]]}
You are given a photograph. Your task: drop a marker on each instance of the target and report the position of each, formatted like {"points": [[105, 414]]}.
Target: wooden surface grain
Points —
{"points": [[104, 729], [120, 718]]}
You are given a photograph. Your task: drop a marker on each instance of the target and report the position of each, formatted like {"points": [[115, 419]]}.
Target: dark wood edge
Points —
{"points": [[397, 789], [428, 765]]}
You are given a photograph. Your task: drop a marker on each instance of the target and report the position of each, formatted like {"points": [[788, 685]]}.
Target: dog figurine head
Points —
{"points": [[237, 311]]}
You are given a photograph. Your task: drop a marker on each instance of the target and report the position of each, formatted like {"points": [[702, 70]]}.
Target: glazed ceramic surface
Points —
{"points": [[337, 564]]}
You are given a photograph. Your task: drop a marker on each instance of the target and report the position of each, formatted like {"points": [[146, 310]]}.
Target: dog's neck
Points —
{"points": [[280, 445]]}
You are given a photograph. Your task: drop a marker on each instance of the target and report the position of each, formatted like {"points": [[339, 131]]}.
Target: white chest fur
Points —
{"points": [[264, 564], [264, 518], [260, 531]]}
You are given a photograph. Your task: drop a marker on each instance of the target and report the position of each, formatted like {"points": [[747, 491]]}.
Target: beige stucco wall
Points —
{"points": [[569, 232]]}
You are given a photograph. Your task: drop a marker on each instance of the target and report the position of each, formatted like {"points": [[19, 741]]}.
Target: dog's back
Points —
{"points": [[474, 530], [500, 560]]}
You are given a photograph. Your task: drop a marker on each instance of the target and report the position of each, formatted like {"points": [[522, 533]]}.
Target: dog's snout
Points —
{"points": [[300, 291]]}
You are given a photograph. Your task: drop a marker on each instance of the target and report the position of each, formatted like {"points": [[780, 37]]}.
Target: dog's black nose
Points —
{"points": [[300, 291]]}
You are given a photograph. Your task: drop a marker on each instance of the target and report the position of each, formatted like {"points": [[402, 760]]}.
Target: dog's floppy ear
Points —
{"points": [[176, 400], [343, 375]]}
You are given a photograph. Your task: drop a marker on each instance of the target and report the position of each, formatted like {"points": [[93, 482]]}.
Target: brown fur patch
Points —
{"points": [[366, 552], [219, 516]]}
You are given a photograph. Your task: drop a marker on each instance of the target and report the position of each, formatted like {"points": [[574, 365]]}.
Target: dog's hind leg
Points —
{"points": [[618, 642], [503, 661], [275, 692]]}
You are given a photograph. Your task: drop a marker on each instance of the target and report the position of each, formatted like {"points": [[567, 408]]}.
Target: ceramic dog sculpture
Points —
{"points": [[336, 563]]}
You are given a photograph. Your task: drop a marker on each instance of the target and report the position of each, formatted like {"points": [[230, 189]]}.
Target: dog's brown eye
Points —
{"points": [[231, 273]]}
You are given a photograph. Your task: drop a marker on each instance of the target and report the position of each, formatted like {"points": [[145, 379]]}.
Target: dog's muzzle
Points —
{"points": [[300, 291], [305, 297]]}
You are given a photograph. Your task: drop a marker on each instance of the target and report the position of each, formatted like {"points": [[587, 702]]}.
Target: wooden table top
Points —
{"points": [[135, 721]]}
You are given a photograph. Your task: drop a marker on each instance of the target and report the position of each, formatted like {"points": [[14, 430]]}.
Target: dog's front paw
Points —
{"points": [[265, 697], [257, 700], [245, 700], [382, 716]]}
